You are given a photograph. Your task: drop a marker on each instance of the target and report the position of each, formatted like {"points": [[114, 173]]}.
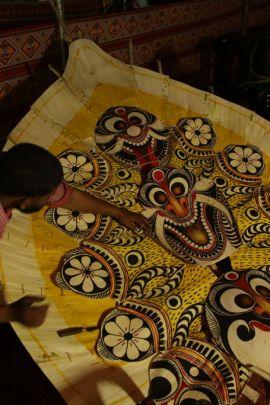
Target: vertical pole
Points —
{"points": [[159, 66], [60, 8], [130, 52], [244, 24]]}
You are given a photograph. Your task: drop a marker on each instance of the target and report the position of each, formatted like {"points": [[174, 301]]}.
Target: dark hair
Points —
{"points": [[27, 170]]}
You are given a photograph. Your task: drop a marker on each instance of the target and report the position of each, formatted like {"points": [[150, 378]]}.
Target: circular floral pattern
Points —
{"points": [[77, 168], [73, 221], [127, 337], [198, 132], [86, 275], [245, 160]]}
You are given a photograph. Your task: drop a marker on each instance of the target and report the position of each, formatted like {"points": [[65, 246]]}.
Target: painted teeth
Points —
{"points": [[143, 142], [128, 149], [173, 226]]}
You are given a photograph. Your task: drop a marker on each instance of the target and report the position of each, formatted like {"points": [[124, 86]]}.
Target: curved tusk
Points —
{"points": [[103, 139], [214, 203], [114, 148], [149, 212], [160, 231]]}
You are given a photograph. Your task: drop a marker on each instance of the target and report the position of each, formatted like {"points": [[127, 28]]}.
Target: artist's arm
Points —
{"points": [[84, 202], [22, 311]]}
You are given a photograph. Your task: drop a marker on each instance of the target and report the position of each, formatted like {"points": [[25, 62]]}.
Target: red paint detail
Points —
{"points": [[120, 110], [161, 214], [158, 175], [259, 325], [193, 196], [232, 276]]}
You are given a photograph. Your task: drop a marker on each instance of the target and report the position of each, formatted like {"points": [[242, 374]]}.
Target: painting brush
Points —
{"points": [[75, 330]]}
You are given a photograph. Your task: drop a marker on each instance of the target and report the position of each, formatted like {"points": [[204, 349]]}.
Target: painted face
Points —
{"points": [[133, 136], [185, 214], [198, 371], [238, 314], [30, 205]]}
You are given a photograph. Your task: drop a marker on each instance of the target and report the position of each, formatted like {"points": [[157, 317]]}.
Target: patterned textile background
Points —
{"points": [[157, 31], [169, 320]]}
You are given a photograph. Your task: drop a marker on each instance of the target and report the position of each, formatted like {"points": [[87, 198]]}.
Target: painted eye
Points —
{"points": [[137, 118], [115, 124], [220, 182], [158, 197], [197, 396], [134, 259], [253, 214], [164, 380], [260, 286], [123, 174], [194, 372], [180, 154], [231, 276], [179, 186], [235, 300], [174, 302]]}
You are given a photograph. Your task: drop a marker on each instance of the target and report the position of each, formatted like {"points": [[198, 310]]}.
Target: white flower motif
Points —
{"points": [[244, 160], [76, 168], [197, 132], [74, 220], [87, 274], [127, 337]]}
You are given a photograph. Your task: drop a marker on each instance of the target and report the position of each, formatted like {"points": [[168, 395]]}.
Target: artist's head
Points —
{"points": [[29, 174]]}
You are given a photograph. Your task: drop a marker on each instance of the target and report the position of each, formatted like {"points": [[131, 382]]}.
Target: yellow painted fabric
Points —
{"points": [[196, 166]]}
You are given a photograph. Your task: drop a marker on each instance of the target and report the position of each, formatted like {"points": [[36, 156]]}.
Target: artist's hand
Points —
{"points": [[22, 311], [131, 220]]}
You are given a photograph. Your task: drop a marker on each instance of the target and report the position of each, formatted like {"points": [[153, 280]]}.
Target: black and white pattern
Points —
{"points": [[173, 277], [129, 134], [195, 135], [84, 168], [185, 321], [238, 313], [195, 371], [92, 271], [76, 224], [125, 336]]}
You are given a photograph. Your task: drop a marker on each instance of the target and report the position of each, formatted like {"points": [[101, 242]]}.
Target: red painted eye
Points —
{"points": [[115, 124], [158, 175], [263, 291], [158, 197], [161, 198], [244, 301], [179, 186], [120, 125], [135, 120], [261, 286], [236, 300], [231, 276], [177, 189], [120, 110]]}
